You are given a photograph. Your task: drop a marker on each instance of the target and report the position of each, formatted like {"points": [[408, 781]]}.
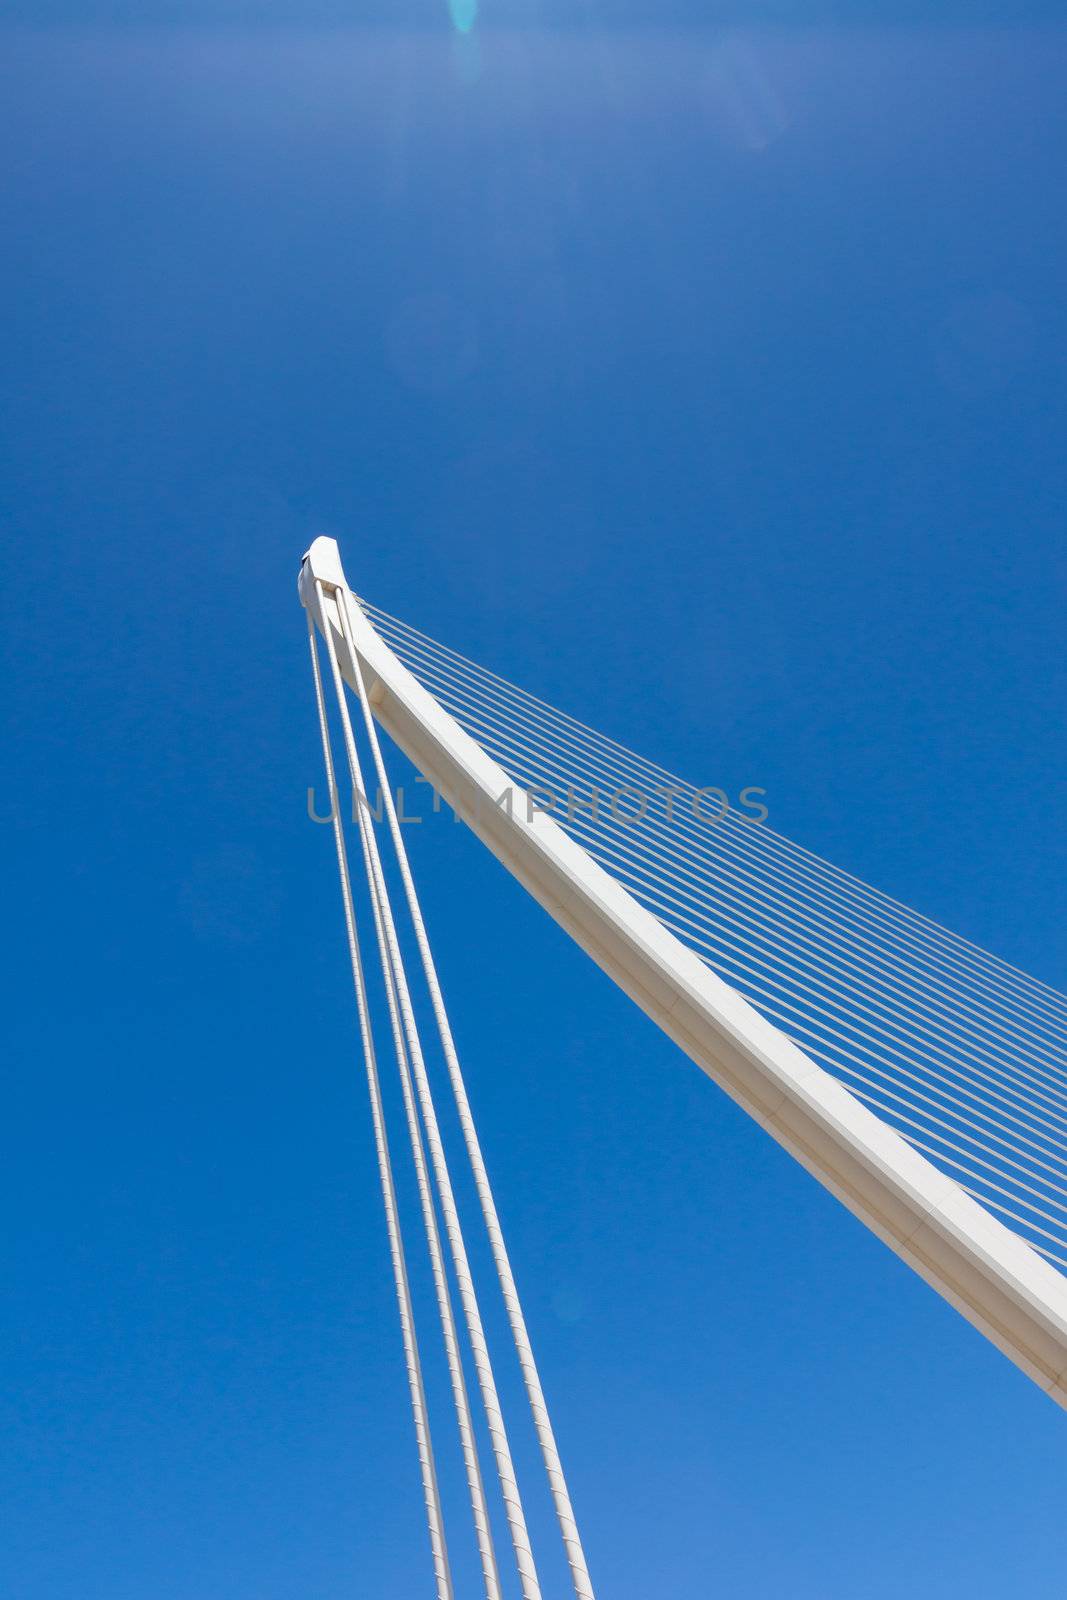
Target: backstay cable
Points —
{"points": [[431, 1493], [561, 1497], [482, 1525], [396, 980]]}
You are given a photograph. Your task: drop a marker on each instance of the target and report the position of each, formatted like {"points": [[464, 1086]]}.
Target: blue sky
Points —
{"points": [[708, 383]]}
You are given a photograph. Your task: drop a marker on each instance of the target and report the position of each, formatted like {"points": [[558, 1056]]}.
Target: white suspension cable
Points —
{"points": [[985, 1200], [717, 937], [933, 1123], [926, 1020], [858, 964], [482, 1525], [927, 1015], [774, 971], [554, 1467], [844, 1062], [1050, 1255], [948, 946], [712, 861], [414, 639], [828, 1035], [431, 1494], [393, 960], [700, 874]]}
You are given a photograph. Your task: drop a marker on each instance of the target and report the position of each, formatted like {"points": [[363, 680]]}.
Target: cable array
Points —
{"points": [[960, 1052]]}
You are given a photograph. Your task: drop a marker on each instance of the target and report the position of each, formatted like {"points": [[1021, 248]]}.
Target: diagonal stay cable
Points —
{"points": [[720, 855], [817, 1027], [999, 1049], [414, 639], [533, 748], [860, 898]]}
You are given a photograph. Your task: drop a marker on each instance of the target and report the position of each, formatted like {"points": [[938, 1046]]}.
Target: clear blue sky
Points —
{"points": [[710, 384]]}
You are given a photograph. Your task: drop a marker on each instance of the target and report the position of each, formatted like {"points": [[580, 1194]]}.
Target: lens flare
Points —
{"points": [[463, 14]]}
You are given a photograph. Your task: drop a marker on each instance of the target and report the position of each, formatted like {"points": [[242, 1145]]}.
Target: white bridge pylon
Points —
{"points": [[983, 1268]]}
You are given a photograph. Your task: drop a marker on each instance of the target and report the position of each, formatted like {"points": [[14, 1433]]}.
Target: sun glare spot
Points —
{"points": [[463, 14]]}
